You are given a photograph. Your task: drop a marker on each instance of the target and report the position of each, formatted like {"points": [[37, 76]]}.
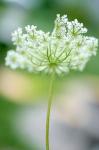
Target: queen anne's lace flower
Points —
{"points": [[64, 49]]}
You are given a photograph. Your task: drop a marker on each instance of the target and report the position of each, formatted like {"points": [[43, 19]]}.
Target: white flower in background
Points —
{"points": [[64, 49]]}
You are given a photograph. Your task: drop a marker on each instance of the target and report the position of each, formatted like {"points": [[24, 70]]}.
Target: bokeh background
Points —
{"points": [[23, 96]]}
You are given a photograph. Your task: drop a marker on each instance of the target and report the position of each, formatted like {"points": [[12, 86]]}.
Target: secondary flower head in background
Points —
{"points": [[65, 48]]}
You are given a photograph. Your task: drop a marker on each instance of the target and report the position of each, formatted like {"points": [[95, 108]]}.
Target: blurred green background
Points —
{"points": [[21, 91]]}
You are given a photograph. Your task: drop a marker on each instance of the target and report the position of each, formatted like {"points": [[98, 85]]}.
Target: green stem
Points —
{"points": [[48, 110]]}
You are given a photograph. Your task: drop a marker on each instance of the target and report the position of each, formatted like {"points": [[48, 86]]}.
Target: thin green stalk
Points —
{"points": [[49, 110]]}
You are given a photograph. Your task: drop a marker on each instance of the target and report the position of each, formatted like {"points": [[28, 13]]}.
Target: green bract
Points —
{"points": [[64, 49]]}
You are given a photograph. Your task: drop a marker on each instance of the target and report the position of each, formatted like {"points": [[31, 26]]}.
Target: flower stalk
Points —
{"points": [[49, 109]]}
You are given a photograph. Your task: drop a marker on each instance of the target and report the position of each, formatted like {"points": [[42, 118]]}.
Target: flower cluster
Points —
{"points": [[64, 49]]}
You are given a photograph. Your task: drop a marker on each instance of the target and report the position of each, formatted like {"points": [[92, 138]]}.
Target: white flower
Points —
{"points": [[30, 29], [12, 59], [64, 49], [16, 60], [75, 28], [18, 37]]}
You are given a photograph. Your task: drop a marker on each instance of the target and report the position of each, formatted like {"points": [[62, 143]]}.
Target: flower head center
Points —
{"points": [[53, 64]]}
